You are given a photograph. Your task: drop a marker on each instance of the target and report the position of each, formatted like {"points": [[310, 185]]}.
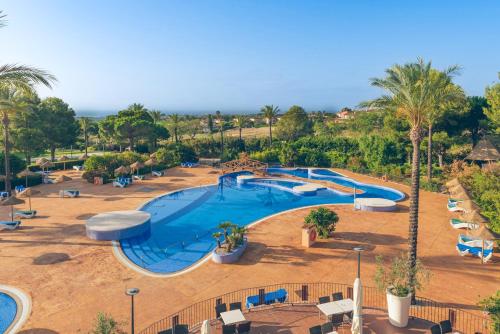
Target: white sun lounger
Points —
{"points": [[157, 173], [10, 225], [69, 193], [455, 208], [119, 184], [25, 214], [458, 223]]}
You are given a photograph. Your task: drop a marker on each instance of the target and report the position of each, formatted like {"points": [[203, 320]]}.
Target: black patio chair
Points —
{"points": [[315, 330], [436, 329], [235, 306], [337, 296], [244, 328], [181, 329], [337, 319], [167, 331], [228, 329], [446, 326], [219, 309], [324, 299], [327, 328]]}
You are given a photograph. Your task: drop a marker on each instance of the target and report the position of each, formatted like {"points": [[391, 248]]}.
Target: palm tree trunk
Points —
{"points": [[240, 132], [429, 155], [440, 159], [413, 223], [221, 142], [86, 143], [270, 132], [5, 123], [53, 153]]}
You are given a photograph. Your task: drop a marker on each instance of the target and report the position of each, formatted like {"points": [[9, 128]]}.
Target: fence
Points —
{"points": [[308, 293]]}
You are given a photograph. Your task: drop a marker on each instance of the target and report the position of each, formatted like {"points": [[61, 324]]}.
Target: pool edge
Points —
{"points": [[23, 302]]}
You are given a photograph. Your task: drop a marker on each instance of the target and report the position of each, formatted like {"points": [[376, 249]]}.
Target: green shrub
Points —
{"points": [[176, 153], [16, 164], [337, 159], [268, 155], [21, 181], [492, 306], [323, 220], [105, 324]]}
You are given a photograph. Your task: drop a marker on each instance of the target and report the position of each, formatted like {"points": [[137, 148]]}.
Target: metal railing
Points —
{"points": [[308, 294]]}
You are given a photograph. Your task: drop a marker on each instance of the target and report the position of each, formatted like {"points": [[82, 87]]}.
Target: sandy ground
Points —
{"points": [[70, 278]]}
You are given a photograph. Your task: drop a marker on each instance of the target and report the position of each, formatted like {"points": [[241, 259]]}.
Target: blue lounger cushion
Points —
{"points": [[278, 296]]}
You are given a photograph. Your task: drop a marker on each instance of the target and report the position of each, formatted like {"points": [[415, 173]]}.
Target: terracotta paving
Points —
{"points": [[70, 278]]}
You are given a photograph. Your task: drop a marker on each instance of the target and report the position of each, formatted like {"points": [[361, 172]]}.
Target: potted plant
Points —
{"points": [[323, 220], [394, 280], [234, 245], [491, 306]]}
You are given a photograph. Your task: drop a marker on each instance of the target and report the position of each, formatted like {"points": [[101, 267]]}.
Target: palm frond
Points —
{"points": [[24, 76], [3, 21]]}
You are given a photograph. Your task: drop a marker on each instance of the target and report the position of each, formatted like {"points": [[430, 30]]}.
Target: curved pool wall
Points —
{"points": [[369, 190], [8, 311], [182, 222]]}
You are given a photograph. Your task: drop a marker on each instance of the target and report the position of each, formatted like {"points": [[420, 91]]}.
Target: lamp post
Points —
{"points": [[359, 250], [132, 292]]}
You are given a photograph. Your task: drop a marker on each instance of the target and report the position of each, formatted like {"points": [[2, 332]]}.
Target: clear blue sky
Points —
{"points": [[238, 55]]}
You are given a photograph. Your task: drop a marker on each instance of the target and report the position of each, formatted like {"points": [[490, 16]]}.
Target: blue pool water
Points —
{"points": [[8, 310], [182, 223]]}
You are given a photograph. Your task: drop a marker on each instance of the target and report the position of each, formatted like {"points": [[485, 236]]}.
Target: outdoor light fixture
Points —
{"points": [[132, 292], [358, 250]]}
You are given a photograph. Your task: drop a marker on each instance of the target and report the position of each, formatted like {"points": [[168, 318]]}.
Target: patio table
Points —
{"points": [[336, 307], [232, 317]]}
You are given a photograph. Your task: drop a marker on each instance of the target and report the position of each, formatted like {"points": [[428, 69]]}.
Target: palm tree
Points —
{"points": [[14, 80], [86, 125], [240, 121], [445, 95], [156, 115], [175, 120], [411, 92], [270, 112], [220, 119], [226, 226], [217, 236]]}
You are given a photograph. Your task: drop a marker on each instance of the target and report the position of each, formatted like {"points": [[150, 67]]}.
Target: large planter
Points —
{"points": [[398, 309], [231, 257]]}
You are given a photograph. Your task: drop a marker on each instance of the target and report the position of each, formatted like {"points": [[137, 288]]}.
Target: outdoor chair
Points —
{"points": [[315, 330], [167, 331], [327, 328], [181, 329], [324, 299], [235, 306], [219, 309], [9, 225], [446, 326], [244, 328], [435, 329], [337, 296], [337, 319], [228, 329]]}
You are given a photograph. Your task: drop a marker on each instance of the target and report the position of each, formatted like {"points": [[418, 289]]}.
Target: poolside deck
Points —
{"points": [[70, 277]]}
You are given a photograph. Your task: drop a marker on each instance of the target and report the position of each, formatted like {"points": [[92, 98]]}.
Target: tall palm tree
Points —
{"points": [[411, 92], [156, 115], [86, 125], [446, 94], [220, 119], [14, 79], [175, 120], [270, 112], [240, 121]]}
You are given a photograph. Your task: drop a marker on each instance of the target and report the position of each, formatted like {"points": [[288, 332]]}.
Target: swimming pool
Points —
{"points": [[182, 222], [8, 311]]}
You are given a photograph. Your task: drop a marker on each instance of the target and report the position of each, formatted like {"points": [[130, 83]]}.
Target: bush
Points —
{"points": [[337, 159], [268, 155], [90, 175], [16, 164], [492, 306], [105, 165], [323, 220], [176, 153], [105, 324], [21, 181]]}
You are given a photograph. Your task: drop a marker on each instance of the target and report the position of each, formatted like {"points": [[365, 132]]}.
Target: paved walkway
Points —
{"points": [[70, 277]]}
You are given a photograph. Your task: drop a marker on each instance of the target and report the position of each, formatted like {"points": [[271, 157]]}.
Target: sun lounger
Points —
{"points": [[138, 177], [25, 214], [4, 194], [474, 246], [157, 173], [10, 225], [454, 200], [19, 189], [78, 168], [458, 223], [188, 164], [119, 183], [69, 193], [455, 208], [278, 296]]}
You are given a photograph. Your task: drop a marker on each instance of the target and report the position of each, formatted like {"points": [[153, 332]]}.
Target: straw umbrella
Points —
{"points": [[41, 161], [452, 183], [151, 162], [136, 166], [63, 159], [63, 178], [121, 170], [28, 192], [83, 156], [469, 206], [25, 173], [47, 164], [12, 200]]}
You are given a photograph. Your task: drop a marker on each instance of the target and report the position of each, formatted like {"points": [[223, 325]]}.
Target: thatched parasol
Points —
{"points": [[122, 170], [83, 157], [153, 155], [12, 200], [63, 159], [151, 162], [28, 192], [136, 166], [460, 192], [469, 206], [47, 164], [41, 161], [26, 173], [63, 178], [452, 183]]}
